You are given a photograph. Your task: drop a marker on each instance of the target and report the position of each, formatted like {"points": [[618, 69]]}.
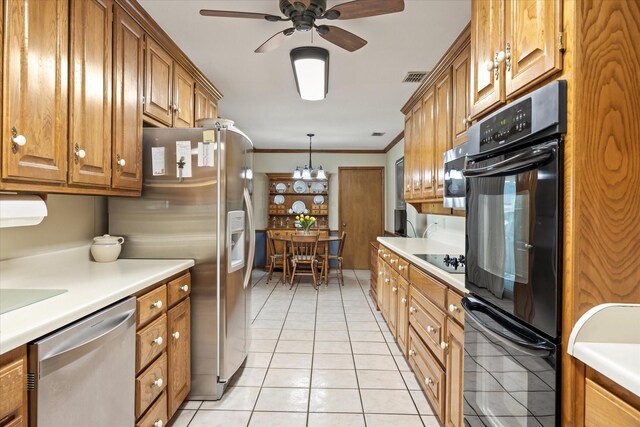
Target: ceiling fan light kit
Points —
{"points": [[311, 71]]}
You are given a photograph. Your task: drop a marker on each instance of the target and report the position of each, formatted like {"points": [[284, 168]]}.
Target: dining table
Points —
{"points": [[324, 240]]}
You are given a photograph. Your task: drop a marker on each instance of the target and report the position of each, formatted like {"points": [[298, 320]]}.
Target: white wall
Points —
{"points": [[286, 162], [71, 221]]}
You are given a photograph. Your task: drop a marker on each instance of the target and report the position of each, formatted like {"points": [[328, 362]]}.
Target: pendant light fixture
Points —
{"points": [[311, 71], [307, 172]]}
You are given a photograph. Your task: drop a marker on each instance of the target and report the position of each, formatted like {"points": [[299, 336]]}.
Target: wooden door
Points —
{"points": [[360, 211], [402, 325], [127, 102], [532, 48], [408, 156], [486, 41], [201, 101], [460, 97], [454, 416], [90, 80], [158, 83], [443, 138], [183, 86], [427, 161], [417, 141], [179, 352], [34, 91]]}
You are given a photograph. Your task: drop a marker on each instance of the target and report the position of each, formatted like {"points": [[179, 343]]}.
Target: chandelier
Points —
{"points": [[308, 171]]}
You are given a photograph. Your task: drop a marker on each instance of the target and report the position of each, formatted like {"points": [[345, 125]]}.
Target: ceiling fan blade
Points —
{"points": [[364, 8], [340, 37], [232, 14], [275, 41]]}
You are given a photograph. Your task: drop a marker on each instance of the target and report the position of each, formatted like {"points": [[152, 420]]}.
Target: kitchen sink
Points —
{"points": [[12, 299]]}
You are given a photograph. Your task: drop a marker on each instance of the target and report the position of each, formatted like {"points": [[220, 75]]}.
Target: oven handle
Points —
{"points": [[530, 343], [529, 159]]}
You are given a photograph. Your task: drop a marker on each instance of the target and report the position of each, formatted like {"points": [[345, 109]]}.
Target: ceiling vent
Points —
{"points": [[378, 133], [414, 77]]}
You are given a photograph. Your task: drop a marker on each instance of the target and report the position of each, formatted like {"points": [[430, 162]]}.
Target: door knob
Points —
{"points": [[16, 140], [413, 310], [120, 162], [403, 300], [429, 381], [158, 341], [431, 329], [79, 153], [394, 289], [412, 352], [453, 308], [158, 382], [444, 345], [344, 225], [176, 335]]}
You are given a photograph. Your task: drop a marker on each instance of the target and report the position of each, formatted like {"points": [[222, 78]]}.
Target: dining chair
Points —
{"points": [[275, 256], [303, 254], [338, 258]]}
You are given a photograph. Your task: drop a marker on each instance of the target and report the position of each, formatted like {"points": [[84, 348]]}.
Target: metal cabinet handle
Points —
{"points": [[413, 310], [158, 341], [184, 288], [386, 280], [158, 383], [385, 255], [17, 140], [176, 335], [402, 267], [453, 308], [157, 304], [412, 352], [431, 329]]}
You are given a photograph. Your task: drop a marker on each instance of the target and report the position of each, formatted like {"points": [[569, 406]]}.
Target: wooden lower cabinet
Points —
{"points": [[603, 408], [455, 367], [373, 268], [392, 297], [13, 387], [402, 324], [163, 350]]}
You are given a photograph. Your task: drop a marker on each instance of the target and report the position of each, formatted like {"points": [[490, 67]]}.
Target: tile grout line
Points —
{"points": [[313, 353]]}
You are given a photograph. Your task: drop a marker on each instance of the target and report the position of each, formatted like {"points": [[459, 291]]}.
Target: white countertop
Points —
{"points": [[607, 339], [407, 247], [90, 286]]}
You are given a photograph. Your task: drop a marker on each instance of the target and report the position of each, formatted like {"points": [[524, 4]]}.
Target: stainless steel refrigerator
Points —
{"points": [[196, 203]]}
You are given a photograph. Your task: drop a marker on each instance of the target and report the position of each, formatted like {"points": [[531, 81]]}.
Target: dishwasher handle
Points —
{"points": [[106, 332]]}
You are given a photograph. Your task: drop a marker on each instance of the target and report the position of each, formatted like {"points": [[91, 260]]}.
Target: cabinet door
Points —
{"points": [[90, 92], [213, 107], [127, 123], [179, 351], [429, 124], [486, 41], [34, 93], [393, 302], [201, 101], [531, 42], [402, 325], [380, 285], [460, 97], [408, 156], [417, 143], [158, 82], [455, 368], [443, 138], [183, 85]]}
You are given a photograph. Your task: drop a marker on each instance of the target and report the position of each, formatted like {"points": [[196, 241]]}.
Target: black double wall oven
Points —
{"points": [[513, 263]]}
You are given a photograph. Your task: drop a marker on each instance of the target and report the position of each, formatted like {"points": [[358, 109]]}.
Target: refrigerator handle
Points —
{"points": [[252, 238]]}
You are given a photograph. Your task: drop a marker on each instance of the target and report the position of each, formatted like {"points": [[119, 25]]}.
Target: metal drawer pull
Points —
{"points": [[413, 310], [176, 335], [431, 329], [429, 381], [385, 255], [412, 352], [184, 288], [157, 304], [453, 308], [158, 383], [444, 345], [157, 341], [158, 423]]}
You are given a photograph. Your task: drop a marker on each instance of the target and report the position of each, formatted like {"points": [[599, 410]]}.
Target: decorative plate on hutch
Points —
{"points": [[279, 199], [300, 187], [318, 187], [281, 187], [318, 200], [298, 207]]}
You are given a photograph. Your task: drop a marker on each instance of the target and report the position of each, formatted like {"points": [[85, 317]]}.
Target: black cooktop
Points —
{"points": [[449, 263]]}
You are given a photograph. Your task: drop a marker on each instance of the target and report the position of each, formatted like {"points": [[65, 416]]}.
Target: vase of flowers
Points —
{"points": [[306, 222]]}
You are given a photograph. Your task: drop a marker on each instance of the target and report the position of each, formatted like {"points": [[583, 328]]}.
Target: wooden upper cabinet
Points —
{"points": [[417, 141], [461, 95], [428, 138], [158, 83], [128, 75], [201, 101], [486, 42], [34, 92], [442, 132], [90, 92], [213, 107], [183, 87], [532, 45]]}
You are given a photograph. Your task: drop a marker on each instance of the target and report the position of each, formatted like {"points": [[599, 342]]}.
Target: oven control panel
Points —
{"points": [[508, 125]]}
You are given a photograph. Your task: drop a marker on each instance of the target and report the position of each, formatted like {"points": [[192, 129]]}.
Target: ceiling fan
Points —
{"points": [[303, 15]]}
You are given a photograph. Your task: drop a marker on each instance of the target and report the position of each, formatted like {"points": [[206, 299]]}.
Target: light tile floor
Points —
{"points": [[317, 359]]}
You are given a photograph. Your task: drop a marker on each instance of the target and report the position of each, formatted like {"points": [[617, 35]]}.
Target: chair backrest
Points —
{"points": [[343, 238], [304, 246], [270, 242]]}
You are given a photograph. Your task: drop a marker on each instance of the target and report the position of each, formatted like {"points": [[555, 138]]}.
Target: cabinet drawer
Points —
{"points": [[178, 289], [150, 342], [16, 422], [603, 408], [393, 260], [151, 305], [157, 412], [436, 292], [150, 384], [428, 322], [12, 383], [403, 268], [454, 307], [430, 376]]}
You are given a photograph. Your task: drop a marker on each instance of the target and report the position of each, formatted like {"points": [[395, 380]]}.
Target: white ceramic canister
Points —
{"points": [[106, 248]]}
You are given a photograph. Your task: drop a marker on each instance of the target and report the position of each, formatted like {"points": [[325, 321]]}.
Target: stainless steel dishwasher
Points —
{"points": [[84, 374]]}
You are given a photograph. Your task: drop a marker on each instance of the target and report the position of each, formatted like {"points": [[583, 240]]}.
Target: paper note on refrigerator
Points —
{"points": [[205, 154], [183, 159], [157, 161], [209, 135]]}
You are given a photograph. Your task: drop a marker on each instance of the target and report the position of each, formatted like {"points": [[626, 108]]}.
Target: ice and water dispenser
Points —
{"points": [[236, 239]]}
